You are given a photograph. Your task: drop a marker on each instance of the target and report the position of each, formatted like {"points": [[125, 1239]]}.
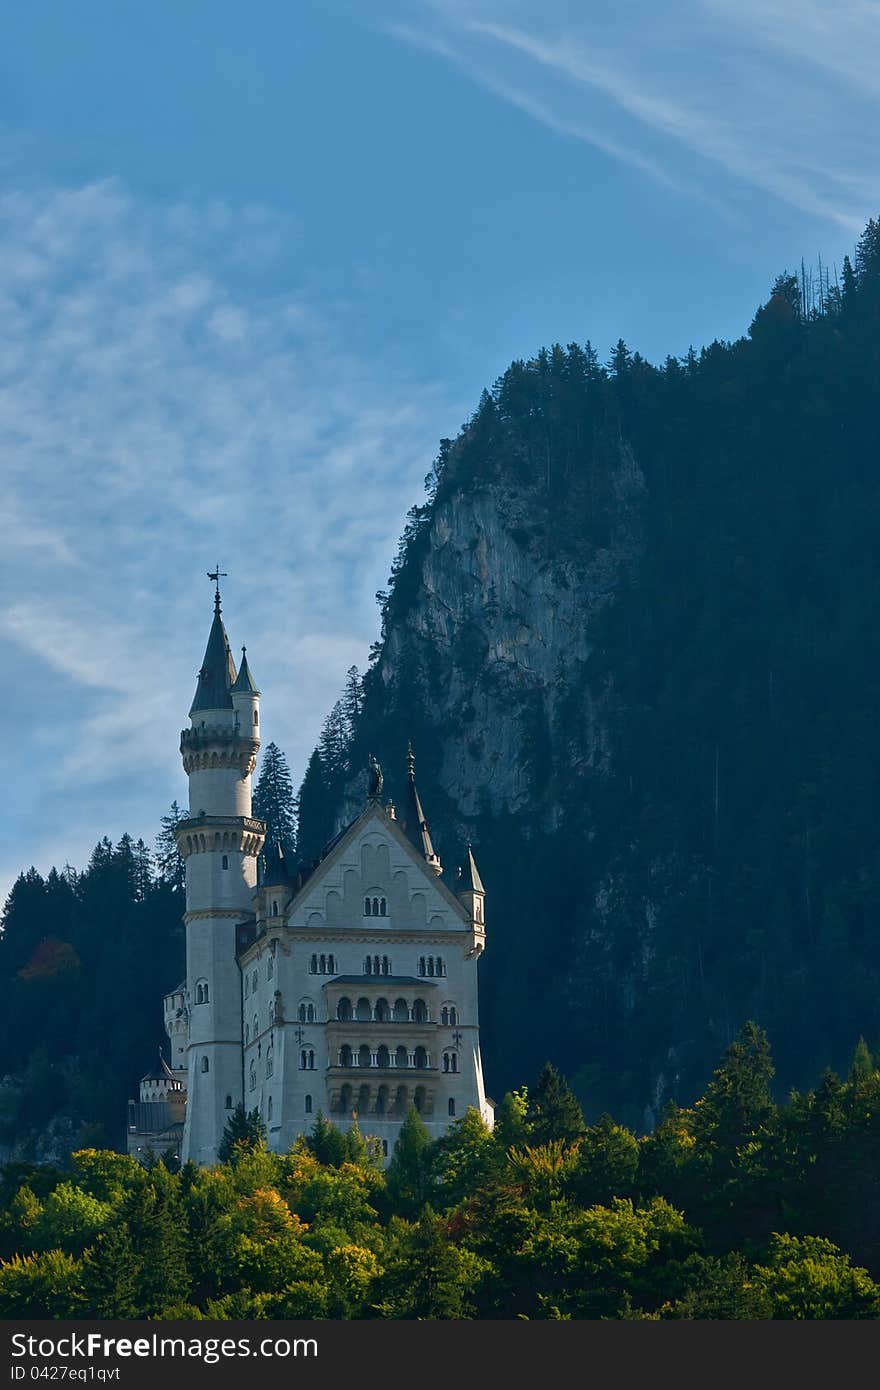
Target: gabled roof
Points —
{"points": [[217, 675], [374, 811]]}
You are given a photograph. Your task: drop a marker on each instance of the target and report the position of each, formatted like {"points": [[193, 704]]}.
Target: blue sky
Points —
{"points": [[256, 260]]}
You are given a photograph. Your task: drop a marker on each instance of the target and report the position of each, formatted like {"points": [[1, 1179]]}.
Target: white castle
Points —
{"points": [[346, 987]]}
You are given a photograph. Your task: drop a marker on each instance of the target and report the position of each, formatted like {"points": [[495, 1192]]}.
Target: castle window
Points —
{"points": [[383, 1058], [228, 1104], [376, 907], [303, 1060], [313, 965], [419, 1011], [363, 1012], [382, 908], [453, 1016], [386, 967], [368, 966], [381, 1012], [256, 717], [201, 991], [205, 1064], [247, 1033], [422, 965], [430, 965], [308, 1105], [363, 1100], [270, 1060], [323, 965], [453, 1061], [306, 1012], [446, 1061], [254, 983], [345, 1055], [401, 1011], [331, 965], [382, 1100], [368, 908], [270, 967], [419, 1099], [401, 1057], [247, 985], [274, 908], [252, 1077], [343, 1009], [444, 1016], [225, 861], [256, 1026], [421, 1058], [311, 1060], [363, 1055], [269, 1109], [384, 1148], [450, 1106]]}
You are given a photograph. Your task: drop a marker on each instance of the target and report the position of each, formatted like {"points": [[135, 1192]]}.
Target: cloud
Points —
{"points": [[710, 98], [159, 411]]}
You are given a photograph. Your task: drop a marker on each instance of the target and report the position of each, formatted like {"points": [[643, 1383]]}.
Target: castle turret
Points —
{"points": [[472, 895], [219, 842], [413, 821]]}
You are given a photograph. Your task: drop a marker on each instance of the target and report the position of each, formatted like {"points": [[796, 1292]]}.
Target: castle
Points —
{"points": [[346, 987]]}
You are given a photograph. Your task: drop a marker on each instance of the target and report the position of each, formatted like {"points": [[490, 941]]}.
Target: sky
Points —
{"points": [[255, 261]]}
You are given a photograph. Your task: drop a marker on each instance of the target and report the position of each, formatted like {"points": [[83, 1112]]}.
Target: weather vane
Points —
{"points": [[216, 575]]}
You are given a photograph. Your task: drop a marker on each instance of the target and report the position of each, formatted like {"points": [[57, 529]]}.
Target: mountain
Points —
{"points": [[632, 635]]}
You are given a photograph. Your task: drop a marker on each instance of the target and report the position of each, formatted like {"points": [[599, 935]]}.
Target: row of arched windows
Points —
{"points": [[449, 1016], [385, 1103], [322, 965], [432, 965], [382, 1056], [307, 1012], [381, 1012], [375, 907], [377, 965]]}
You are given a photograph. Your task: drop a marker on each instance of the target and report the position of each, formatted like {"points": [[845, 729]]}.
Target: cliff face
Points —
{"points": [[500, 629], [632, 637]]}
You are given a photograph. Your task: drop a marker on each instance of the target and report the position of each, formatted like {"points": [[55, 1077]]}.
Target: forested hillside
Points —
{"points": [[632, 634], [734, 1208]]}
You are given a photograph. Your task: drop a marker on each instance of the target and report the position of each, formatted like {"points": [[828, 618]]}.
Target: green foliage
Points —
{"points": [[244, 1130], [811, 1278], [274, 801], [409, 1178], [553, 1110]]}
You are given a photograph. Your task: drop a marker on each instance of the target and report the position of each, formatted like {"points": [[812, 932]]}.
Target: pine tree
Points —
{"points": [[862, 1068], [408, 1175], [554, 1112], [244, 1131], [274, 801], [169, 863]]}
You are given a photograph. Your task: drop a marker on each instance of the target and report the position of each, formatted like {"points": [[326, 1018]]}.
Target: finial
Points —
{"points": [[216, 575], [410, 762], [243, 649]]}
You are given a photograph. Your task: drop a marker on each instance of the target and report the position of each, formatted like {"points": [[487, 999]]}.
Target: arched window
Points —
{"points": [[252, 1076], [430, 965], [450, 1106], [382, 1100], [368, 908], [270, 967], [375, 907], [401, 1011], [382, 1012], [345, 1099], [364, 1058], [228, 1103], [382, 907], [331, 965], [383, 1057], [375, 965], [202, 992], [323, 965], [247, 985], [419, 1099], [311, 1060], [384, 1148], [345, 1055], [224, 862], [400, 1101], [270, 1060], [444, 1016], [446, 1061], [343, 1009], [401, 1057], [269, 1109], [453, 1016], [363, 1012], [205, 1064], [256, 717], [368, 966], [453, 1062], [308, 1105], [256, 1027], [254, 982], [421, 965], [303, 1060], [313, 965], [363, 1100], [419, 1011], [421, 1058]]}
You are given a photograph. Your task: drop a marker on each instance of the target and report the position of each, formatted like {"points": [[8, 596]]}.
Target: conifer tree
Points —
{"points": [[408, 1175], [553, 1110], [244, 1131], [274, 801], [168, 859]]}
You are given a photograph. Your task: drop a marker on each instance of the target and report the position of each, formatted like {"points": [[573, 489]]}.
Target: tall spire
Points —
{"points": [[217, 675], [469, 875], [413, 821], [244, 680]]}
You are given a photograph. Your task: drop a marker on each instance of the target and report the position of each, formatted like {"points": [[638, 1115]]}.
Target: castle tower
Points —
{"points": [[219, 843]]}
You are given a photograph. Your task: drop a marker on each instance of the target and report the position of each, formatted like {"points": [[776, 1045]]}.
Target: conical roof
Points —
{"points": [[244, 681], [160, 1071], [413, 821], [469, 880], [217, 676]]}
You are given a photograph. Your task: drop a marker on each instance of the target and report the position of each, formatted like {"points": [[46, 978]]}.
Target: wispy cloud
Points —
{"points": [[157, 413], [769, 100]]}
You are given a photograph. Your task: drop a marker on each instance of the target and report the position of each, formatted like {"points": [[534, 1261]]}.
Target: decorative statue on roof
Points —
{"points": [[377, 781]]}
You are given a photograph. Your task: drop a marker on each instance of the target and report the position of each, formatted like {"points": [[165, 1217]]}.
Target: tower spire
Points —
{"points": [[414, 822], [216, 575]]}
